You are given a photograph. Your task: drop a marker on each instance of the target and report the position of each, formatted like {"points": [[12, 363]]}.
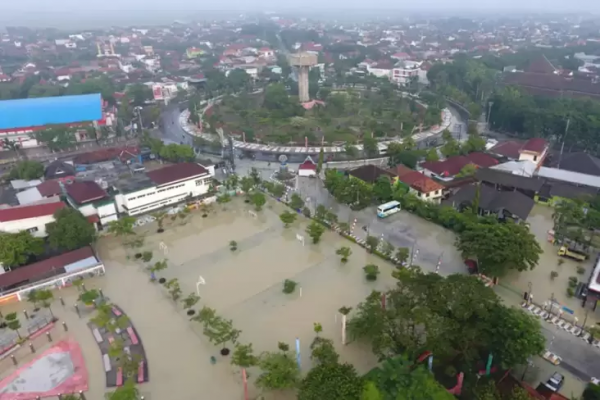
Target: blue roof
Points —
{"points": [[24, 113]]}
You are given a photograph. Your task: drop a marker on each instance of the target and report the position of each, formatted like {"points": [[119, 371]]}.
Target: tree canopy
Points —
{"points": [[499, 247], [457, 318], [27, 170], [17, 248], [70, 230]]}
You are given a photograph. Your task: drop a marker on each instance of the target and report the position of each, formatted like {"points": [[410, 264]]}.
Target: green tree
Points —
{"points": [[432, 155], [255, 176], [331, 381], [296, 202], [220, 331], [70, 230], [126, 392], [499, 247], [190, 301], [27, 170], [246, 184], [350, 150], [56, 138], [344, 252], [370, 392], [320, 162], [45, 297], [467, 170], [287, 218], [370, 147], [17, 248], [13, 323], [382, 189], [315, 230], [321, 212], [591, 392], [243, 356], [122, 227], [279, 371], [258, 200], [372, 242], [177, 153]]}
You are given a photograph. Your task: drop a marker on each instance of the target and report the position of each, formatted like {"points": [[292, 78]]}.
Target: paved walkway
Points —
{"points": [[448, 120]]}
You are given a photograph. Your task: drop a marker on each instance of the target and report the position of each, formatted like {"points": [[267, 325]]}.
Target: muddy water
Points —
{"points": [[543, 287], [244, 285]]}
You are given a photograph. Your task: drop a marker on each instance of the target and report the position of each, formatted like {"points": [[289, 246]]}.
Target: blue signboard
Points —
{"points": [[565, 309]]}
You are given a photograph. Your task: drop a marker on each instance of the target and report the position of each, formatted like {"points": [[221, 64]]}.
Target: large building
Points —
{"points": [[162, 187], [19, 118]]}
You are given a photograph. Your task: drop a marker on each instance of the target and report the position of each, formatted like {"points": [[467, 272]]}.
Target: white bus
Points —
{"points": [[389, 208]]}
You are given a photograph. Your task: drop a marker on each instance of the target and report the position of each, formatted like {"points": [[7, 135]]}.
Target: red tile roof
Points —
{"points": [[509, 149], [43, 269], [49, 188], [420, 182], [308, 164], [176, 172], [449, 167], [400, 170], [34, 211], [535, 145], [85, 191], [123, 153], [482, 160]]}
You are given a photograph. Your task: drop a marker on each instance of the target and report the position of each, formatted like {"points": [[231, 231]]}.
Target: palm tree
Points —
{"points": [[45, 297], [122, 226], [158, 266], [160, 216]]}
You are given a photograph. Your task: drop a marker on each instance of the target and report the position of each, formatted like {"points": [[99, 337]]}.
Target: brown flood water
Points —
{"points": [[245, 286]]}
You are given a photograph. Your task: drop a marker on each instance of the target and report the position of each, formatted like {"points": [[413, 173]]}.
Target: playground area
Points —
{"points": [[244, 285]]}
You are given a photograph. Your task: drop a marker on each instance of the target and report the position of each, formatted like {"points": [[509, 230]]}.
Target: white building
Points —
{"points": [[161, 187], [31, 218], [405, 71], [92, 201]]}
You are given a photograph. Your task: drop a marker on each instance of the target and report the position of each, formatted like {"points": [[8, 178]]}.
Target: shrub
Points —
{"points": [[146, 256], [371, 272], [289, 286], [570, 292], [580, 270], [553, 274], [573, 281], [233, 245], [306, 212]]}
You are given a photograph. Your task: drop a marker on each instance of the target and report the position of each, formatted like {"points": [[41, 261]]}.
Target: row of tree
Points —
{"points": [[574, 121]]}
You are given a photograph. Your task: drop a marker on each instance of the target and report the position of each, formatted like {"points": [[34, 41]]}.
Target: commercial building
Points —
{"points": [[162, 187], [20, 118]]}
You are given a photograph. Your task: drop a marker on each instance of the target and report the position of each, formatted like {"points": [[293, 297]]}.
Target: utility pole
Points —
{"points": [[562, 147]]}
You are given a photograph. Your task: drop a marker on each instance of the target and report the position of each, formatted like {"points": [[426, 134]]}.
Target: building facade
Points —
{"points": [[169, 185]]}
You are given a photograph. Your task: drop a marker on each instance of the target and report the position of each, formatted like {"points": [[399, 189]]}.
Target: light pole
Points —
{"points": [[490, 104]]}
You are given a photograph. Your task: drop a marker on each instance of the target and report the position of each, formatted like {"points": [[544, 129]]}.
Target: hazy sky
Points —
{"points": [[81, 14], [141, 5]]}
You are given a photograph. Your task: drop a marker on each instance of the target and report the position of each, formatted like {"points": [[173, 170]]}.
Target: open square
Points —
{"points": [[245, 285]]}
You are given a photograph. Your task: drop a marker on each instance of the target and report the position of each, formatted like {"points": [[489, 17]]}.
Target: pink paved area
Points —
{"points": [[60, 369]]}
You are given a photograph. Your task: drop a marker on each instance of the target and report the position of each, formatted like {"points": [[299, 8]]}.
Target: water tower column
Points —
{"points": [[303, 84]]}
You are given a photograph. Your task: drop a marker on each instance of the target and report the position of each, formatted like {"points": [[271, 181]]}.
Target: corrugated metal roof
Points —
{"points": [[569, 176], [24, 113]]}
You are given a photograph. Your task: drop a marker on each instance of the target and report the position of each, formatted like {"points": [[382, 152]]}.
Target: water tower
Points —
{"points": [[303, 61]]}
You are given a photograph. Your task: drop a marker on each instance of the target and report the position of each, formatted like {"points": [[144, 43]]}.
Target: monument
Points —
{"points": [[303, 62]]}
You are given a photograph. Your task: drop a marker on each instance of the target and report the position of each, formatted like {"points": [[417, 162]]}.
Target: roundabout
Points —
{"points": [[314, 137]]}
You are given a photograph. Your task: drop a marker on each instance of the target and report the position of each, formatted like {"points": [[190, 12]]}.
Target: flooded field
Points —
{"points": [[543, 286], [243, 285]]}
